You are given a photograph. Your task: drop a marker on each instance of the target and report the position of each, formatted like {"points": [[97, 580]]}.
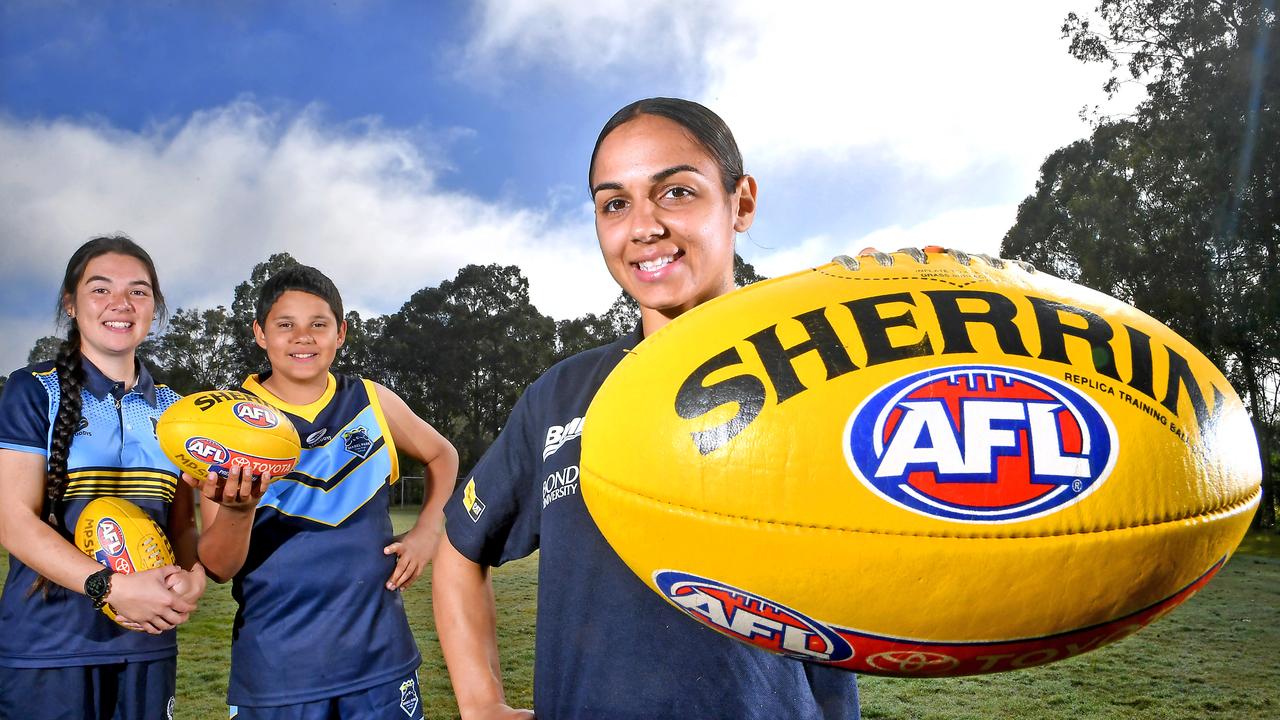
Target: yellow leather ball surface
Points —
{"points": [[920, 463], [220, 429], [121, 536]]}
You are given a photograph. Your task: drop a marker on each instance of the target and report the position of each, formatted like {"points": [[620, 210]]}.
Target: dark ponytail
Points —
{"points": [[703, 125], [67, 422]]}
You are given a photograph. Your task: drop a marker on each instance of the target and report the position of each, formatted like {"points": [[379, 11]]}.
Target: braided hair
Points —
{"points": [[69, 362], [70, 382]]}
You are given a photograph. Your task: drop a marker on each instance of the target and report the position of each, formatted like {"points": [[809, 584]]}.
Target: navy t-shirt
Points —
{"points": [[606, 645]]}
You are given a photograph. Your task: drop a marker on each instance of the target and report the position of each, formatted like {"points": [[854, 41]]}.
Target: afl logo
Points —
{"points": [[980, 443], [206, 450], [259, 416], [751, 618], [110, 537]]}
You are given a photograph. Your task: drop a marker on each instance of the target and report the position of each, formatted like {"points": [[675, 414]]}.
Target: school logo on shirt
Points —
{"points": [[559, 484], [83, 427], [357, 442], [408, 697], [474, 507], [558, 435]]}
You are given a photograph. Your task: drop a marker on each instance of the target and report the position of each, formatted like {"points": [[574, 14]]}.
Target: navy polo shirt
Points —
{"points": [[607, 646], [114, 452]]}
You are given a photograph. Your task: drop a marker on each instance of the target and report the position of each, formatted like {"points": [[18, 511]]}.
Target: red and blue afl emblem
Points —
{"points": [[980, 443], [110, 537], [206, 450], [255, 415], [751, 618], [113, 551]]}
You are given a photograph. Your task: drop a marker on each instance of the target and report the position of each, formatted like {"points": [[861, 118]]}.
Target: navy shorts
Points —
{"points": [[119, 691], [399, 699]]}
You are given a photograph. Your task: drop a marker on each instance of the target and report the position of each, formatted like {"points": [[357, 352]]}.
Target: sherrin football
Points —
{"points": [[123, 537], [221, 429], [920, 464]]}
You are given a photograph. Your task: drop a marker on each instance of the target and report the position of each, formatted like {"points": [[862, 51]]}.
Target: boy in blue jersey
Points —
{"points": [[670, 194], [321, 631]]}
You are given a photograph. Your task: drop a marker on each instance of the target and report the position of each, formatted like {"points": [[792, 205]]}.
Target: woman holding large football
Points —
{"points": [[670, 195], [71, 430]]}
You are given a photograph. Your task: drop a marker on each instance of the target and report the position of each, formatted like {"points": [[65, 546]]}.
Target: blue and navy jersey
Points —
{"points": [[113, 453], [607, 646], [316, 619]]}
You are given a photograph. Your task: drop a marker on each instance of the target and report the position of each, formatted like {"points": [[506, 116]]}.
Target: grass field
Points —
{"points": [[1214, 657]]}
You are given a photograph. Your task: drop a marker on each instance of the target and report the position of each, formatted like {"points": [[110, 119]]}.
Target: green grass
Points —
{"points": [[1264, 544], [204, 643], [1214, 657]]}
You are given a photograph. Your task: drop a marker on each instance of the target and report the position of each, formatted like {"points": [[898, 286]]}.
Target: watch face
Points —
{"points": [[98, 584]]}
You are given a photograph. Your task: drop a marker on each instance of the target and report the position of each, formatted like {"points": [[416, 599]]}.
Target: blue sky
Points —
{"points": [[389, 143]]}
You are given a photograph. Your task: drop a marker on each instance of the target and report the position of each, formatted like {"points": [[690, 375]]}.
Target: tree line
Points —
{"points": [[460, 353], [1175, 208]]}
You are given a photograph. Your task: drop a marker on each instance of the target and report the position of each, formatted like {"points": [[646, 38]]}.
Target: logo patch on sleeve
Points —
{"points": [[475, 508]]}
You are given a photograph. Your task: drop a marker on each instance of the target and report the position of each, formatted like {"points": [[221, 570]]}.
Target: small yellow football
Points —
{"points": [[123, 537], [920, 463], [216, 430]]}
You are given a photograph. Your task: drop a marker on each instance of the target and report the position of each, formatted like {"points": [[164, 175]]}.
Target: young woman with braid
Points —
{"points": [[76, 428]]}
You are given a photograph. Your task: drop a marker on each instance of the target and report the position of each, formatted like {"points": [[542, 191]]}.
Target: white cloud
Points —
{"points": [[938, 91], [931, 117], [221, 191], [937, 87], [586, 37]]}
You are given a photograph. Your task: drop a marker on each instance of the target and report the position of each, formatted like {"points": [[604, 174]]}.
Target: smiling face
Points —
{"points": [[301, 337], [665, 223], [113, 306]]}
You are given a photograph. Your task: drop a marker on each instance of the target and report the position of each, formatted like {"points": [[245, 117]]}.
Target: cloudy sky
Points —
{"points": [[390, 143]]}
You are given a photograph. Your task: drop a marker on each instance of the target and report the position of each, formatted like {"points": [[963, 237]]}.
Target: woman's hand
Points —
{"points": [[237, 491], [414, 550], [190, 584], [143, 601]]}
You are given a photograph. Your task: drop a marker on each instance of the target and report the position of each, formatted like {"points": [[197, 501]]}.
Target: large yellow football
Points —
{"points": [[920, 464], [217, 430], [123, 537]]}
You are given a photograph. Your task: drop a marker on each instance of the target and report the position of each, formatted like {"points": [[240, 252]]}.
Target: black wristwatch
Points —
{"points": [[97, 585]]}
